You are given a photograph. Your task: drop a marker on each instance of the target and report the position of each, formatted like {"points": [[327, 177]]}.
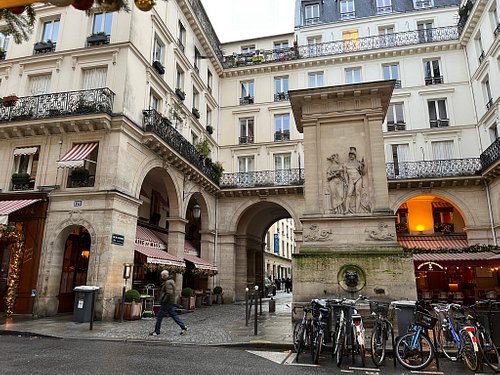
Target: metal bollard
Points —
{"points": [[255, 320], [246, 307], [260, 300], [272, 305]]}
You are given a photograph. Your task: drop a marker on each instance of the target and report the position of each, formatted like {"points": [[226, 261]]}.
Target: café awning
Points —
{"points": [[25, 151], [76, 156], [200, 263], [8, 207], [148, 244], [478, 259], [433, 242]]}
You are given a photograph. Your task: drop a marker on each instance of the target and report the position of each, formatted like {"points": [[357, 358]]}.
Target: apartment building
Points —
{"points": [[280, 246]]}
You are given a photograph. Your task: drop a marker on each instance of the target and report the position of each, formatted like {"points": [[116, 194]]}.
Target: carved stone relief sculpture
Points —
{"points": [[317, 234], [382, 233]]}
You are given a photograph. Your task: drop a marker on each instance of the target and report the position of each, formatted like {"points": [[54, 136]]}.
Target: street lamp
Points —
{"points": [[127, 270]]}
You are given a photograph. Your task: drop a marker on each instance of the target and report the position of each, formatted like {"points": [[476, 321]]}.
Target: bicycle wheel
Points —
{"points": [[488, 349], [415, 357], [298, 338], [362, 353], [469, 354], [378, 345], [446, 342], [340, 345], [318, 345]]}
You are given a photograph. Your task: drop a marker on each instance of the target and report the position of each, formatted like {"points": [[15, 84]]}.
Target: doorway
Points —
{"points": [[75, 266]]}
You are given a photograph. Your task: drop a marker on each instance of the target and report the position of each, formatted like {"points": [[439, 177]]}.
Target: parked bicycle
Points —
{"points": [[350, 331], [320, 311], [302, 332], [480, 316], [455, 337], [415, 350], [381, 330]]}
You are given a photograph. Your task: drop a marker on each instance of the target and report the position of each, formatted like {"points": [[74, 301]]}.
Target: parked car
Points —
{"points": [[269, 287]]}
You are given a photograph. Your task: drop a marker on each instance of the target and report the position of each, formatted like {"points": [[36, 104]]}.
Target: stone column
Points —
{"points": [[175, 246]]}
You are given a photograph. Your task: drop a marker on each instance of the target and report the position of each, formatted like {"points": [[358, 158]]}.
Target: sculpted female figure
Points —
{"points": [[337, 183]]}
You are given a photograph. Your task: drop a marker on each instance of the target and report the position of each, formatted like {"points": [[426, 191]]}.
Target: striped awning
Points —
{"points": [[485, 258], [147, 238], [7, 207], [200, 263], [75, 157], [25, 151], [433, 242], [148, 244]]}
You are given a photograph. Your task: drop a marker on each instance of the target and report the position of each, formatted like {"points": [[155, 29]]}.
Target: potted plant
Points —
{"points": [[158, 66], [180, 93], [9, 100], [44, 46], [97, 38], [210, 129], [132, 306], [188, 298], [21, 178], [203, 148], [218, 170], [196, 113], [218, 294], [79, 174], [2, 54]]}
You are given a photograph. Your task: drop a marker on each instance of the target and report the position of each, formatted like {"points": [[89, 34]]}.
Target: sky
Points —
{"points": [[245, 19]]}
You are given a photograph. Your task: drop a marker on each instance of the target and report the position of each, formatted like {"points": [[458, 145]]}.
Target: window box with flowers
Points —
{"points": [[10, 100], [44, 46], [97, 39]]}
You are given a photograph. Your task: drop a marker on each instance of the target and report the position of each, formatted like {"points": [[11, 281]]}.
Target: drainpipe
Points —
{"points": [[490, 211]]}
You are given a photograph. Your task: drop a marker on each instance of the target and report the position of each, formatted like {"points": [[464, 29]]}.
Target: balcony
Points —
{"points": [[433, 168], [441, 123], [266, 178], [332, 48], [246, 139], [59, 104], [312, 20], [433, 80], [2, 54], [158, 66], [396, 126], [491, 155], [281, 96], [180, 45], [384, 9], [282, 136], [155, 123], [180, 94], [464, 13], [347, 15], [246, 100], [422, 4]]}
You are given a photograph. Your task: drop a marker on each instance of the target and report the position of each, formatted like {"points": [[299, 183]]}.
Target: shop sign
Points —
{"points": [[117, 239]]}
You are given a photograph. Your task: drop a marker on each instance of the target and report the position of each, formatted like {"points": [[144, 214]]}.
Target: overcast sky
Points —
{"points": [[246, 19]]}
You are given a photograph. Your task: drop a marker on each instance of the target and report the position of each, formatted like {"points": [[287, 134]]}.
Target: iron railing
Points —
{"points": [[280, 96], [155, 123], [396, 126], [433, 80], [496, 32], [405, 38], [433, 168], [282, 135], [491, 154], [59, 104], [464, 13], [280, 177]]}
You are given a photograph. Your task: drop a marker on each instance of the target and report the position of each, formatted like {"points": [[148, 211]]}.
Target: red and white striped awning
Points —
{"points": [[148, 244], [433, 242], [147, 238], [484, 259], [200, 263], [75, 157], [7, 207], [25, 151]]}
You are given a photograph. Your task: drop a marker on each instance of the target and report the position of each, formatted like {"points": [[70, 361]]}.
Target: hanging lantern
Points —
{"points": [[17, 10], [60, 3], [83, 4], [110, 5], [144, 5]]}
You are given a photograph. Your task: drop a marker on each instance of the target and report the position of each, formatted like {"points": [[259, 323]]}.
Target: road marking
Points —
{"points": [[428, 372], [348, 371], [276, 357], [364, 369]]}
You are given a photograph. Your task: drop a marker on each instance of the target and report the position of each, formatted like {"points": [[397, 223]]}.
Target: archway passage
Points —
{"points": [[75, 266]]}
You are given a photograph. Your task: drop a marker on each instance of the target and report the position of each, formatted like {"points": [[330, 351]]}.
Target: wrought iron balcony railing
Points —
{"points": [[280, 177], [433, 168], [481, 57], [384, 9], [396, 126], [347, 15], [246, 100], [433, 80], [464, 13], [246, 139], [441, 123], [280, 96], [282, 136], [405, 38], [496, 32], [155, 123], [59, 104], [489, 104], [491, 154], [312, 20]]}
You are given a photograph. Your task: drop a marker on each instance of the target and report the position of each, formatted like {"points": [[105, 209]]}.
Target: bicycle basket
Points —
{"points": [[379, 308], [425, 320]]}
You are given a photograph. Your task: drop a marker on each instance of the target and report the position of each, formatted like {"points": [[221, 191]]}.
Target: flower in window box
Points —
{"points": [[9, 101]]}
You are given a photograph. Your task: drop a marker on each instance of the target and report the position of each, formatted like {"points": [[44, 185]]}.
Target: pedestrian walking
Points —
{"points": [[288, 285], [167, 300]]}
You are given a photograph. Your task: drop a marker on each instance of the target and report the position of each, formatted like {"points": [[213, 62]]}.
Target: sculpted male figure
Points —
{"points": [[354, 170]]}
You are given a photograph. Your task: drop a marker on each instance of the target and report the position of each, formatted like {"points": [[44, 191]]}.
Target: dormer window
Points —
{"points": [[311, 14]]}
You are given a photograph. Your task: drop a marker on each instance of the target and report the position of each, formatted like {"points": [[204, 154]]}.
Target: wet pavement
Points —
{"points": [[208, 325]]}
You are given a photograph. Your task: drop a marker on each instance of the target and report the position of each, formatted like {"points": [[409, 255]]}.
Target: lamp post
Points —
{"points": [[127, 269]]}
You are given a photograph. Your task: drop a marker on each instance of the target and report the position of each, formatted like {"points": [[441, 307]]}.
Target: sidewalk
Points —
{"points": [[208, 325]]}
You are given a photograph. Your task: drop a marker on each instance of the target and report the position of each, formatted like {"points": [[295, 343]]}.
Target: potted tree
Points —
{"points": [[218, 170], [79, 175], [203, 148], [188, 298], [132, 307], [218, 294], [20, 179]]}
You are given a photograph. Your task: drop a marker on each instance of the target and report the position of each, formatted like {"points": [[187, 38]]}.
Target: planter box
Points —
{"points": [[158, 67], [210, 129], [2, 55], [97, 39], [188, 302], [43, 47], [180, 94], [196, 113], [131, 310]]}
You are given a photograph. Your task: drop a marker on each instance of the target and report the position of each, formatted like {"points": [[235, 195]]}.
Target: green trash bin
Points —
{"points": [[85, 297]]}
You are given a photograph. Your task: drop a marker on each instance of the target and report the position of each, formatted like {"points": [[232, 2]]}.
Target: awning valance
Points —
{"points": [[433, 242], [148, 244], [485, 258], [146, 237], [75, 157], [200, 263], [7, 207], [25, 151]]}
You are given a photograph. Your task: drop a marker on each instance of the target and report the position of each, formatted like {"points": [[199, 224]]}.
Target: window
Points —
{"points": [[350, 38], [102, 23], [479, 48], [4, 42], [314, 46], [50, 31], [437, 113], [391, 71], [280, 88], [282, 127], [209, 117], [311, 14], [422, 4], [494, 132], [315, 79], [280, 45], [39, 84], [432, 73], [384, 6], [247, 92], [442, 150], [395, 117], [26, 161], [248, 49], [179, 81], [209, 81], [442, 215], [246, 169], [94, 78], [387, 37], [399, 156], [86, 161], [347, 9], [487, 93], [196, 98], [197, 59], [154, 102], [181, 41], [194, 138], [158, 50], [495, 19], [282, 166], [353, 75], [246, 130], [424, 32]]}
